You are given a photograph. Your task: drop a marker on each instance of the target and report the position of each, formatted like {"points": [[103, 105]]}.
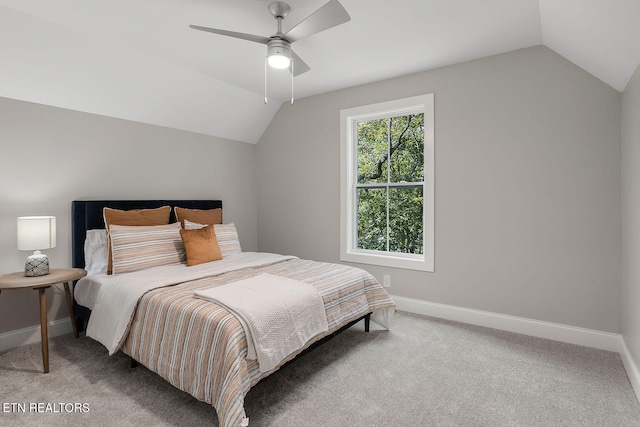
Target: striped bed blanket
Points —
{"points": [[201, 348]]}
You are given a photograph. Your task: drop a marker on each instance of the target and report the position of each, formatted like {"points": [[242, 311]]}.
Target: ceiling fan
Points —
{"points": [[280, 55]]}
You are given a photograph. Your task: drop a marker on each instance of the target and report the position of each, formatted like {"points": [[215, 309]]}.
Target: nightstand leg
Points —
{"points": [[44, 335], [70, 305]]}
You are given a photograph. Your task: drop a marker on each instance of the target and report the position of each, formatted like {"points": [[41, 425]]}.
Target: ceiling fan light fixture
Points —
{"points": [[279, 61], [279, 54]]}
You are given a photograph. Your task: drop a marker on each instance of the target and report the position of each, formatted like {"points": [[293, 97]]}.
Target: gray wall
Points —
{"points": [[631, 216], [51, 156], [528, 187]]}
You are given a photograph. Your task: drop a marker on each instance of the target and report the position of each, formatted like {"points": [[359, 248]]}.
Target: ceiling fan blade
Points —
{"points": [[329, 15], [299, 66], [244, 36]]}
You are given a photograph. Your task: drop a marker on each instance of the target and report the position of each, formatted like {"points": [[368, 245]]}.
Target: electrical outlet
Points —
{"points": [[386, 281]]}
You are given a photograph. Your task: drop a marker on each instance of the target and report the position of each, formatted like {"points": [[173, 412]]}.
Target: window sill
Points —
{"points": [[419, 263]]}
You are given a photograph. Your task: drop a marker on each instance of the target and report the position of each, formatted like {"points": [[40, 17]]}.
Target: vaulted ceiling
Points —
{"points": [[139, 60]]}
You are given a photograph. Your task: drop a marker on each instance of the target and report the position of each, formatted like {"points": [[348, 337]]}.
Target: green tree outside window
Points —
{"points": [[390, 184]]}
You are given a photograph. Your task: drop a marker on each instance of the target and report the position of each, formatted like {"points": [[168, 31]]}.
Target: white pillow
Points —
{"points": [[226, 235], [135, 247], [95, 252]]}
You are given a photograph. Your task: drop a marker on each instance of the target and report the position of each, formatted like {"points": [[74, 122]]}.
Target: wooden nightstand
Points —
{"points": [[58, 275]]}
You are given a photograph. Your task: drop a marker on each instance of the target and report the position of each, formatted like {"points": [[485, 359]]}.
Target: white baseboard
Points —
{"points": [[553, 331], [632, 369], [30, 335]]}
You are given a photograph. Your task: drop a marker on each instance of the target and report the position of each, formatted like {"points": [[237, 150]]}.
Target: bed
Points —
{"points": [[163, 318]]}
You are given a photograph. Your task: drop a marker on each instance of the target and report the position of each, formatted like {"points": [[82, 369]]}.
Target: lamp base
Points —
{"points": [[37, 264]]}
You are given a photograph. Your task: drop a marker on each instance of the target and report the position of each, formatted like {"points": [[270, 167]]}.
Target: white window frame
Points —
{"points": [[348, 167]]}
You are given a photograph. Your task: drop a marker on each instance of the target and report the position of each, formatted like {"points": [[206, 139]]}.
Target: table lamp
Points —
{"points": [[35, 233]]}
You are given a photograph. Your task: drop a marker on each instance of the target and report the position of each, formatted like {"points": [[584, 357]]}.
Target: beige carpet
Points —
{"points": [[425, 372]]}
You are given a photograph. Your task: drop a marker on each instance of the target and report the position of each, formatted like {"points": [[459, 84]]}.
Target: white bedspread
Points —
{"points": [[279, 315], [118, 295]]}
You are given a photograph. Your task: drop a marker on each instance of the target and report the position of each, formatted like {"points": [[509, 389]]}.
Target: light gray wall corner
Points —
{"points": [[630, 316]]}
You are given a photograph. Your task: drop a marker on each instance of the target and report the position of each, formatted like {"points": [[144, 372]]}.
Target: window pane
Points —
{"points": [[405, 220], [372, 151], [407, 146], [372, 219]]}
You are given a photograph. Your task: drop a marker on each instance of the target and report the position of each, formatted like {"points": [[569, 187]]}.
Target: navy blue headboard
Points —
{"points": [[87, 215]]}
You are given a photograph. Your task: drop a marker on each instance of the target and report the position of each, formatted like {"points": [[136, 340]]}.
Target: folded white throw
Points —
{"points": [[279, 315]]}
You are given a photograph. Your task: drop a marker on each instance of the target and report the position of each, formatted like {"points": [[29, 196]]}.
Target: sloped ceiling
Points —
{"points": [[139, 60]]}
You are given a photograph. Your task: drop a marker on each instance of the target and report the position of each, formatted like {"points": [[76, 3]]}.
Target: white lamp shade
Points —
{"points": [[36, 232]]}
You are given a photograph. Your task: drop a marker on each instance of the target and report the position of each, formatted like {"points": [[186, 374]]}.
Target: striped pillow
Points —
{"points": [[138, 247], [226, 235], [158, 216]]}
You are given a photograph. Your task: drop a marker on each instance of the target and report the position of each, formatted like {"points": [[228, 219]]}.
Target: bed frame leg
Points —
{"points": [[367, 320], [133, 362]]}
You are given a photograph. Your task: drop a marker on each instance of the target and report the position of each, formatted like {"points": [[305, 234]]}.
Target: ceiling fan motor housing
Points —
{"points": [[279, 48]]}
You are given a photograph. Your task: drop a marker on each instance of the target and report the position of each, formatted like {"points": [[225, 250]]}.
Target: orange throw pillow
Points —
{"points": [[201, 216], [201, 245]]}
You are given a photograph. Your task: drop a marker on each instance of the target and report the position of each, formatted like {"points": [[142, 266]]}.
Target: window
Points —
{"points": [[387, 167]]}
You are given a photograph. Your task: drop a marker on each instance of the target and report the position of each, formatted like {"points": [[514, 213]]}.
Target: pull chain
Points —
{"points": [[291, 59], [266, 58]]}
